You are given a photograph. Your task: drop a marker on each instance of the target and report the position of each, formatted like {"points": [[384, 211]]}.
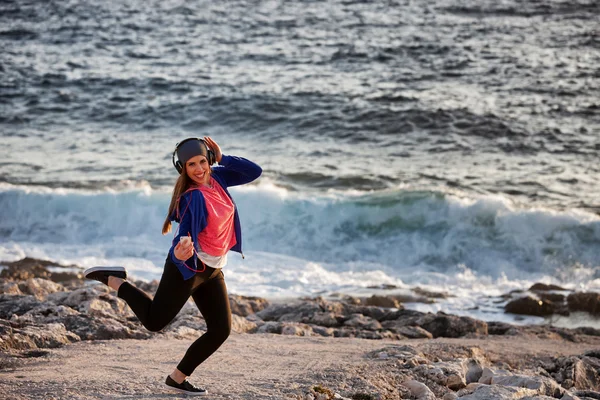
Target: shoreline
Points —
{"points": [[44, 315], [269, 366]]}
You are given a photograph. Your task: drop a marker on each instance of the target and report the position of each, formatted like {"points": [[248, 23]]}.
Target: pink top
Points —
{"points": [[219, 235]]}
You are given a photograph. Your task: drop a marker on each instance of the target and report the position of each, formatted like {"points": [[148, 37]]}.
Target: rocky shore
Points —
{"points": [[46, 306]]}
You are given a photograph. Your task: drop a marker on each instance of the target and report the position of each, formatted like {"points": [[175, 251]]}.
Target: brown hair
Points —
{"points": [[182, 184]]}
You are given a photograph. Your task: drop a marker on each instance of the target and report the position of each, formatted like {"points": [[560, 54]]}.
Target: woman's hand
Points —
{"points": [[184, 250], [214, 147]]}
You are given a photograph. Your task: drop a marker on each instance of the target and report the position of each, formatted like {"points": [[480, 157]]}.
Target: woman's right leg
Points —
{"points": [[172, 293]]}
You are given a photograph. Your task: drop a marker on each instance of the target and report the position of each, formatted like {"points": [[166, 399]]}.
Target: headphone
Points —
{"points": [[210, 155]]}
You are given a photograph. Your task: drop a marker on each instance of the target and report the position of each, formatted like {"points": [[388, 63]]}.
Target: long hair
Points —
{"points": [[182, 184]]}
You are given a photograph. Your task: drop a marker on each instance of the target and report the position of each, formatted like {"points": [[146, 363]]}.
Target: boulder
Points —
{"points": [[495, 392], [9, 287], [585, 374], [270, 327], [529, 305], [541, 384], [419, 390], [88, 327], [488, 374], [244, 305], [378, 313], [39, 288], [444, 325], [242, 325], [411, 332], [34, 336], [16, 304], [275, 311], [543, 287], [323, 331], [382, 301], [362, 322], [327, 319], [296, 330], [584, 301]]}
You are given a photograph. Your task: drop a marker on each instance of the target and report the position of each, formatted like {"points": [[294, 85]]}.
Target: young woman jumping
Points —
{"points": [[209, 226]]}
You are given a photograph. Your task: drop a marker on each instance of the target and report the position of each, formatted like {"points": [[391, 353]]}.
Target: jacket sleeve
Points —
{"points": [[192, 217], [237, 170]]}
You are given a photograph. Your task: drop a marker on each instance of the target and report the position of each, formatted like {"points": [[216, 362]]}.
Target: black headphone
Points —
{"points": [[210, 155]]}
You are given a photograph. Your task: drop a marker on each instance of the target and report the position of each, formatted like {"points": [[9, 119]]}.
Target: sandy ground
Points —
{"points": [[248, 366]]}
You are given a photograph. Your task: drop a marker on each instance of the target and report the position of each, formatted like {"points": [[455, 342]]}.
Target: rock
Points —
{"points": [[419, 390], [495, 392], [450, 396], [585, 374], [184, 332], [328, 319], [542, 385], [382, 301], [270, 327], [584, 301], [362, 322], [542, 287], [499, 328], [377, 313], [366, 334], [275, 311], [323, 331], [414, 332], [242, 325], [34, 336], [488, 374], [470, 388], [10, 288], [444, 325], [569, 396], [16, 304], [529, 306], [39, 288], [296, 330], [244, 305], [188, 317], [587, 394], [46, 313], [27, 268], [474, 371], [88, 327]]}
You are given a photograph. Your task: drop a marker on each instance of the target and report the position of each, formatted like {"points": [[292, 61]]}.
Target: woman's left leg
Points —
{"points": [[213, 302]]}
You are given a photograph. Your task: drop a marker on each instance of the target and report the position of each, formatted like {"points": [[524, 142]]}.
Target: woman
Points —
{"points": [[209, 227]]}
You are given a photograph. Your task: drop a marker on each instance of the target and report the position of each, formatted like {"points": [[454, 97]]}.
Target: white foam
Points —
{"points": [[298, 244]]}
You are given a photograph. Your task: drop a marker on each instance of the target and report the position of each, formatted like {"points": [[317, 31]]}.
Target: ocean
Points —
{"points": [[450, 145]]}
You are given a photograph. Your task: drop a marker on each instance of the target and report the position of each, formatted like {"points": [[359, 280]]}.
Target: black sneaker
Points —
{"points": [[185, 387], [101, 274]]}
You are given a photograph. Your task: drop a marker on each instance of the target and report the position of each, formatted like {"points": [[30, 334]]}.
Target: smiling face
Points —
{"points": [[198, 170]]}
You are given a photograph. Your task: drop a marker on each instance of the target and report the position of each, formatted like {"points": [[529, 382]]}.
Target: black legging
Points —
{"points": [[210, 295]]}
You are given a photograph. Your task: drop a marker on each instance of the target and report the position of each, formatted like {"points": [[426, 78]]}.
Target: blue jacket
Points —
{"points": [[231, 171]]}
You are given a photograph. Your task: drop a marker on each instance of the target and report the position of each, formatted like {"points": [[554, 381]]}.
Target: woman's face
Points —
{"points": [[198, 170]]}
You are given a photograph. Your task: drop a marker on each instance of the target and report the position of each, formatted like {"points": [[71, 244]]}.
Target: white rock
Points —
{"points": [[488, 374], [10, 288], [541, 384], [419, 390], [495, 392]]}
